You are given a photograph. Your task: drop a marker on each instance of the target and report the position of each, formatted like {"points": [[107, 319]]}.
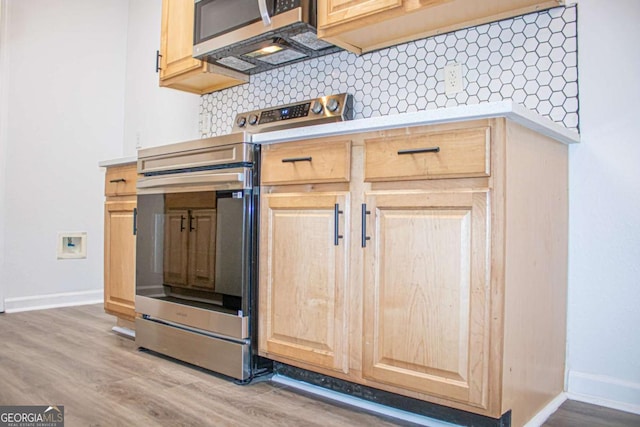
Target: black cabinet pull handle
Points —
{"points": [[113, 181], [419, 150], [158, 56], [365, 212], [191, 227], [182, 218], [135, 221], [296, 159], [336, 221]]}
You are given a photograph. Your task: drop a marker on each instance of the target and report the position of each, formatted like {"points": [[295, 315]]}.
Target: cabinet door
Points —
{"points": [[202, 239], [333, 12], [119, 258], [176, 235], [426, 293], [303, 277], [176, 42]]}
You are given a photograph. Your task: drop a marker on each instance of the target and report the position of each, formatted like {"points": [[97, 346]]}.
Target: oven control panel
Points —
{"points": [[326, 109]]}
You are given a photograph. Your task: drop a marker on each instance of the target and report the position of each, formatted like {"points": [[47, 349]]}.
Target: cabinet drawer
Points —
{"points": [[450, 154], [120, 180], [306, 162]]}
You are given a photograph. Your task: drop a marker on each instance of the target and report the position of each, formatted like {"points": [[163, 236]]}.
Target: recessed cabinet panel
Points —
{"points": [[426, 293], [303, 279]]}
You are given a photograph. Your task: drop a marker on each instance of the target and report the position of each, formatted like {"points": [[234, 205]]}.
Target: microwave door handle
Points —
{"points": [[264, 12]]}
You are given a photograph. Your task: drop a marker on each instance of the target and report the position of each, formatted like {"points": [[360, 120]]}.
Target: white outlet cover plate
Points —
{"points": [[452, 79]]}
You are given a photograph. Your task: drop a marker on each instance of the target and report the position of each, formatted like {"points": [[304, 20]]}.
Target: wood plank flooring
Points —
{"points": [[70, 356]]}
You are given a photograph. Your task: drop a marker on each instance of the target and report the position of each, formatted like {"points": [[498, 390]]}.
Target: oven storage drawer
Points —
{"points": [[313, 161], [216, 322], [458, 153], [226, 357], [120, 181]]}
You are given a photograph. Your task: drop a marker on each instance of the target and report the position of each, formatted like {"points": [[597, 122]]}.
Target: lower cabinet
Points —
{"points": [[303, 297], [425, 294], [443, 279], [120, 242]]}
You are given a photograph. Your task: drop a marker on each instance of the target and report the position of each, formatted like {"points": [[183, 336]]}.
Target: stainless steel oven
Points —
{"points": [[196, 249]]}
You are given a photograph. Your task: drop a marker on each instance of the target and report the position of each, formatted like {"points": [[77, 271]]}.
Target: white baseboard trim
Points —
{"points": [[605, 391], [547, 411], [361, 403], [42, 302]]}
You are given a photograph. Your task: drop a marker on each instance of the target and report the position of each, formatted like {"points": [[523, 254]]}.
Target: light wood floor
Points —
{"points": [[70, 357]]}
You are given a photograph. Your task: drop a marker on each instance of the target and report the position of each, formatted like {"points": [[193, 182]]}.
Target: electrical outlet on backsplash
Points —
{"points": [[531, 59]]}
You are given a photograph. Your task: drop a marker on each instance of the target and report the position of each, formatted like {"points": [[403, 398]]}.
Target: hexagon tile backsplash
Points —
{"points": [[531, 59]]}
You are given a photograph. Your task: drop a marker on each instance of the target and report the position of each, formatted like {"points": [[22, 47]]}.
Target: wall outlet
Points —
{"points": [[452, 79]]}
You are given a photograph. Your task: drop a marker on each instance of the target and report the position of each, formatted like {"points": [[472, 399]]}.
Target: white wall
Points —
{"points": [[604, 270], [65, 96], [153, 115], [3, 134], [80, 86]]}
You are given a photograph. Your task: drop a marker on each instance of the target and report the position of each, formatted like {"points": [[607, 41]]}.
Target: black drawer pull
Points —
{"points": [[364, 236], [296, 159], [135, 221], [113, 181], [419, 150], [336, 227]]}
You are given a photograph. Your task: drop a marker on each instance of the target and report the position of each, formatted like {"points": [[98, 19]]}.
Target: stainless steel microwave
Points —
{"points": [[252, 36]]}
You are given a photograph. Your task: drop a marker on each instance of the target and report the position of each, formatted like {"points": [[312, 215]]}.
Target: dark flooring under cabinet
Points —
{"points": [[70, 356]]}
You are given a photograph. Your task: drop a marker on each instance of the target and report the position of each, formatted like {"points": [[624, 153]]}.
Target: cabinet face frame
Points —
{"points": [[296, 302]]}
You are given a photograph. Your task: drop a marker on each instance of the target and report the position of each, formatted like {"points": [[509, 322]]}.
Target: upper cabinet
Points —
{"points": [[178, 69], [366, 25]]}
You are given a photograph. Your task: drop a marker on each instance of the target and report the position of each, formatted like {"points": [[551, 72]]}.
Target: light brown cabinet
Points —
{"points": [[365, 25], [426, 294], [189, 248], [304, 268], [304, 288], [454, 286], [178, 69], [120, 241]]}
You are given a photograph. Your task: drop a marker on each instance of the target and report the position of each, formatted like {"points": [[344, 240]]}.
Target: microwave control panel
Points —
{"points": [[325, 109]]}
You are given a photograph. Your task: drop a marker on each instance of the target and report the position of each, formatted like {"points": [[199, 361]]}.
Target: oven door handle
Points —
{"points": [[165, 181]]}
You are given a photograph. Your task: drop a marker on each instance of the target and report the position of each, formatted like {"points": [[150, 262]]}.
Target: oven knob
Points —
{"points": [[241, 121], [316, 107], [332, 105], [253, 119]]}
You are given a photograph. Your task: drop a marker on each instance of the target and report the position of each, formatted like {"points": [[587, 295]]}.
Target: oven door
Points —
{"points": [[194, 249]]}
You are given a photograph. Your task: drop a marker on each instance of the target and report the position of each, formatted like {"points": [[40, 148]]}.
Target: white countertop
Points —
{"points": [[118, 162], [509, 109]]}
